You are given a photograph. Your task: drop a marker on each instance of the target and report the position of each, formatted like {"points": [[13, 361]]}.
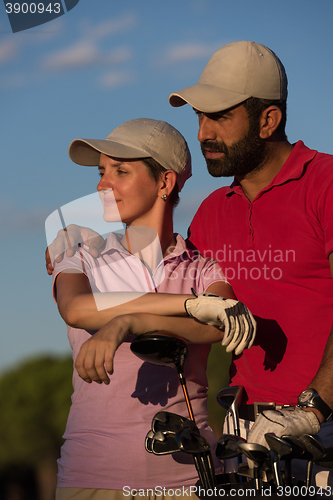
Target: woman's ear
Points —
{"points": [[269, 121], [169, 179]]}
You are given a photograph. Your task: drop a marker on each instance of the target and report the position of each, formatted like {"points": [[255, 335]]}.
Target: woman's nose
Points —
{"points": [[104, 184]]}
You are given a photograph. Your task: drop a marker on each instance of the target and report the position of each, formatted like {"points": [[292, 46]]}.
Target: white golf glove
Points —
{"points": [[285, 422], [229, 315]]}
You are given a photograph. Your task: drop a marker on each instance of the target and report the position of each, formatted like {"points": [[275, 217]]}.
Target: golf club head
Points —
{"points": [[164, 420], [297, 447], [315, 449], [148, 441], [159, 348], [327, 460], [255, 452], [190, 442], [163, 443], [282, 447], [227, 446], [229, 398]]}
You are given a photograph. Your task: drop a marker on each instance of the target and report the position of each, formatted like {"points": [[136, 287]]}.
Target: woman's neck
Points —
{"points": [[148, 243]]}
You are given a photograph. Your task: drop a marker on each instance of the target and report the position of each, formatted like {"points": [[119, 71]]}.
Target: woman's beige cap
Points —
{"points": [[135, 139], [234, 73]]}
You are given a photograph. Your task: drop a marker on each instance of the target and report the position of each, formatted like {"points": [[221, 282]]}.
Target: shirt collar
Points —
{"points": [[292, 169], [179, 249], [113, 243]]}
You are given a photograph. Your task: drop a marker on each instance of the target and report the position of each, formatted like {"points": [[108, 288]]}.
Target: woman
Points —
{"points": [[139, 283]]}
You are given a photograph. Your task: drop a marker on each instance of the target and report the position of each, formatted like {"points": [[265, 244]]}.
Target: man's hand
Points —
{"points": [[285, 422], [95, 359], [229, 315], [67, 240]]}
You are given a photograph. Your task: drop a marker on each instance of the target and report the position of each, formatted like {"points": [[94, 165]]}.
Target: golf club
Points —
{"points": [[164, 420], [259, 455], [163, 443], [227, 446], [192, 443], [314, 450], [229, 398], [161, 349], [327, 460], [148, 441], [297, 450], [282, 448], [278, 448]]}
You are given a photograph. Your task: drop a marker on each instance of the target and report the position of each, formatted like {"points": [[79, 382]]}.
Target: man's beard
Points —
{"points": [[244, 156]]}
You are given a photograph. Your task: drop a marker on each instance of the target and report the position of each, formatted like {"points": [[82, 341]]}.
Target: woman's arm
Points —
{"points": [[78, 305], [95, 359]]}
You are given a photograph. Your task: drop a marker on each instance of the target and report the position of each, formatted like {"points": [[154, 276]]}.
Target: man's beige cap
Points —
{"points": [[136, 139], [234, 73]]}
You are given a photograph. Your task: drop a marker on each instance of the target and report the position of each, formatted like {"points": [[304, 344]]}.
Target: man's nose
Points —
{"points": [[206, 129]]}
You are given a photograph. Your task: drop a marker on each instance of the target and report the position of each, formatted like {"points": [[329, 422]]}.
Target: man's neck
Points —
{"points": [[254, 182]]}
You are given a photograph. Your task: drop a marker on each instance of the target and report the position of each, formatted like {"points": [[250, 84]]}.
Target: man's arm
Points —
{"points": [[67, 240], [284, 422], [323, 380]]}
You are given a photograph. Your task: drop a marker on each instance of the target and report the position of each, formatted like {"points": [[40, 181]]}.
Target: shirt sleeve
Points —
{"points": [[210, 274], [78, 263], [326, 217]]}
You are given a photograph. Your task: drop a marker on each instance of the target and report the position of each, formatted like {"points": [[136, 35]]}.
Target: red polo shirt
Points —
{"points": [[274, 252]]}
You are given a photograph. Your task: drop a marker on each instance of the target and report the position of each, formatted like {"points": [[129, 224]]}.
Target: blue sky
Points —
{"points": [[105, 62]]}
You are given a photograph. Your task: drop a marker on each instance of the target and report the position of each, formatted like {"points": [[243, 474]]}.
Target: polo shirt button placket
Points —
{"points": [[251, 239]]}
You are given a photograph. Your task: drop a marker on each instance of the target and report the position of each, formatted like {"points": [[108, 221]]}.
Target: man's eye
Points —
{"points": [[217, 116]]}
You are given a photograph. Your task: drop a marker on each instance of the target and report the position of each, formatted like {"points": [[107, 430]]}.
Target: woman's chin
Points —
{"points": [[111, 216]]}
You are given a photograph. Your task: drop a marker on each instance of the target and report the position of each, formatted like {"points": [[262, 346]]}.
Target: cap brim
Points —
{"points": [[207, 98], [87, 152]]}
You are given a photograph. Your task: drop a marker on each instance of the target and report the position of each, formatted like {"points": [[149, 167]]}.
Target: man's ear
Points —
{"points": [[269, 121]]}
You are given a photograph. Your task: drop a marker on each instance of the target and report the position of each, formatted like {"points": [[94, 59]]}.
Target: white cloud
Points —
{"points": [[115, 79], [79, 54], [85, 53], [188, 52], [9, 48], [109, 28]]}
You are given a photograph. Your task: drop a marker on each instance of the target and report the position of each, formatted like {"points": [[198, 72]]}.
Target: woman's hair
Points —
{"points": [[155, 169]]}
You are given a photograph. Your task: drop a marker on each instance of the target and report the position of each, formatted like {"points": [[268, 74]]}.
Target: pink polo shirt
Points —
{"points": [[107, 425], [274, 252]]}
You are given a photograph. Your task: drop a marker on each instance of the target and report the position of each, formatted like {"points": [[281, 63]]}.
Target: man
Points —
{"points": [[272, 233]]}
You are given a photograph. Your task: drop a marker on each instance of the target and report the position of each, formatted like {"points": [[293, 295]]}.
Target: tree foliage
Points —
{"points": [[218, 378], [34, 403], [35, 400]]}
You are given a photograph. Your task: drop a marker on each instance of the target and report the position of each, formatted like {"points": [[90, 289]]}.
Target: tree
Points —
{"points": [[34, 402]]}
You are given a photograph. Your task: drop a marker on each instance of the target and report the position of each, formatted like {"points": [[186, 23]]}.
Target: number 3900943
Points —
{"points": [[32, 8]]}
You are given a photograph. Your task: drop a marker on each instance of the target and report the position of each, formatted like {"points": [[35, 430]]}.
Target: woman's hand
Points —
{"points": [[95, 359]]}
